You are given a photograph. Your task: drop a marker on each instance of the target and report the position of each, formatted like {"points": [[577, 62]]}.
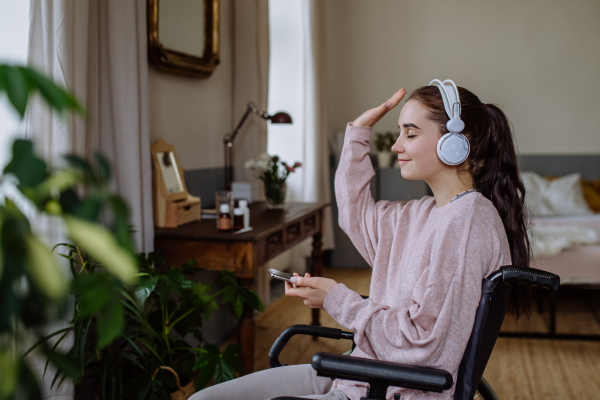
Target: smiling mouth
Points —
{"points": [[399, 160]]}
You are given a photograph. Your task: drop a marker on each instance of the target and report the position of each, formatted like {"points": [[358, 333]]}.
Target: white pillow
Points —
{"points": [[562, 196]]}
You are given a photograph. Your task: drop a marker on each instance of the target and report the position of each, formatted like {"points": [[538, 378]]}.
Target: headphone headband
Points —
{"points": [[450, 97]]}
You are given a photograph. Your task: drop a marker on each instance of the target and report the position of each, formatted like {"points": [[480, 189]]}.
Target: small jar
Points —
{"points": [[238, 219], [224, 218]]}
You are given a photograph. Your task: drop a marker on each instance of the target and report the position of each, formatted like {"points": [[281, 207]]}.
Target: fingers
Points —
{"points": [[305, 282], [372, 116], [288, 286], [394, 100], [297, 292]]}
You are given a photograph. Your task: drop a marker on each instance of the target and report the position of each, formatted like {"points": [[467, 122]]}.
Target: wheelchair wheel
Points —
{"points": [[485, 391]]}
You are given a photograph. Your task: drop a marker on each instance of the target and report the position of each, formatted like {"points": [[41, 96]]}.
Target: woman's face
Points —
{"points": [[416, 145]]}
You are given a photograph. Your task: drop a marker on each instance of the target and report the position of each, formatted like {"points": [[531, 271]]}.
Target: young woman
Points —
{"points": [[429, 256]]}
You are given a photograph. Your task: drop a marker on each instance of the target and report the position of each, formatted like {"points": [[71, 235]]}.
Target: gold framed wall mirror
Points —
{"points": [[183, 36]]}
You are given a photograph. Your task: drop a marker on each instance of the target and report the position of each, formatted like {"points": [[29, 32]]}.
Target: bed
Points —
{"points": [[567, 245], [577, 264]]}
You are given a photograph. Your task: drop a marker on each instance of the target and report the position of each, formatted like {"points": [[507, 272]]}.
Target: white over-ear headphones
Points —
{"points": [[452, 148]]}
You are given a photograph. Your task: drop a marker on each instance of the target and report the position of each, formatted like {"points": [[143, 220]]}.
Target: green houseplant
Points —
{"points": [[383, 144], [33, 289], [151, 356], [109, 284]]}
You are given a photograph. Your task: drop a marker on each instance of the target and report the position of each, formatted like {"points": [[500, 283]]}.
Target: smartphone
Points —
{"points": [[282, 276]]}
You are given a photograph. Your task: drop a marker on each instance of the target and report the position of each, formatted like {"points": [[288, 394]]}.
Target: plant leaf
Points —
{"points": [[57, 97], [83, 166], [17, 89], [45, 339], [231, 356], [144, 289], [222, 372], [251, 298], [207, 363], [148, 346], [89, 208], [238, 306], [104, 169], [9, 365], [110, 323], [63, 362], [101, 244], [228, 295], [43, 269], [25, 165]]}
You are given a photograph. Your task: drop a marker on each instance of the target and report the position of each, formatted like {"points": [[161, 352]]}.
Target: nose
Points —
{"points": [[398, 147]]}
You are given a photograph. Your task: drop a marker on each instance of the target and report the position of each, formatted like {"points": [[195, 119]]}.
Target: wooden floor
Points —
{"points": [[518, 369]]}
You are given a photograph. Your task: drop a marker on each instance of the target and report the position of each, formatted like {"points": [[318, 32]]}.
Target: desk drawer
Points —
{"points": [[275, 243], [293, 232], [309, 224]]}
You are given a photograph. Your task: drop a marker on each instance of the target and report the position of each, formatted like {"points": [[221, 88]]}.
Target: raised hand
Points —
{"points": [[372, 116]]}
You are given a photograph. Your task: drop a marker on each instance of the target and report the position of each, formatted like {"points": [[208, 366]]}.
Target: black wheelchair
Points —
{"points": [[380, 375]]}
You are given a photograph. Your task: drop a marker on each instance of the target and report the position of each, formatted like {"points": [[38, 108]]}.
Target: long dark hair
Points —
{"points": [[493, 164]]}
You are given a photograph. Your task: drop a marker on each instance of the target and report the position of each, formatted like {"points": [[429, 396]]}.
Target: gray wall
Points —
{"points": [[557, 165]]}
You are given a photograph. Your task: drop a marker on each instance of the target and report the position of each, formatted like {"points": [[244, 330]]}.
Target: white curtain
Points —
{"points": [[316, 178], [97, 49], [250, 80], [296, 85]]}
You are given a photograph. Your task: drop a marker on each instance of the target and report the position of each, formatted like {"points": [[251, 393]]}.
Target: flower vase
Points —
{"points": [[275, 194]]}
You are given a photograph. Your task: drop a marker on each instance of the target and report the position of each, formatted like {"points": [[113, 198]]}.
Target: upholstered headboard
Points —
{"points": [[558, 165]]}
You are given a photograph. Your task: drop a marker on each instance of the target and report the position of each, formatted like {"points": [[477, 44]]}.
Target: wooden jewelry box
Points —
{"points": [[172, 204]]}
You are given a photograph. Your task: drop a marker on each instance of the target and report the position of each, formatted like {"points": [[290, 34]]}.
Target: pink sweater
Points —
{"points": [[428, 264]]}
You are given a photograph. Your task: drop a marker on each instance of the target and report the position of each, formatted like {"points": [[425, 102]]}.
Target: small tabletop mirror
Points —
{"points": [[167, 171], [170, 172]]}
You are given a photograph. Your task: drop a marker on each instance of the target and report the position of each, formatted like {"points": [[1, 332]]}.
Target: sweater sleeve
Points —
{"points": [[442, 306], [358, 212]]}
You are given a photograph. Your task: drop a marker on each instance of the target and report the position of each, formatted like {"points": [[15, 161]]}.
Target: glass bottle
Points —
{"points": [[224, 218]]}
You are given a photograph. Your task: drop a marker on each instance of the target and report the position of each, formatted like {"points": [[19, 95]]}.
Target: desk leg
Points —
{"points": [[246, 331], [317, 270]]}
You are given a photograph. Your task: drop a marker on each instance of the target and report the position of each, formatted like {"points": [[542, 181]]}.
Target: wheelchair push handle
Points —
{"points": [[529, 276], [311, 330]]}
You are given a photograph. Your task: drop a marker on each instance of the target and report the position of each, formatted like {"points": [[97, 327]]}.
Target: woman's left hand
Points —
{"points": [[311, 290]]}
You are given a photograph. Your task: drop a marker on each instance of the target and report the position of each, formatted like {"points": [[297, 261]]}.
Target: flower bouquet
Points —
{"points": [[273, 172]]}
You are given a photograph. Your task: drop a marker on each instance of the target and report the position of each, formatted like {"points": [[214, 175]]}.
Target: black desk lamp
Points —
{"points": [[278, 118]]}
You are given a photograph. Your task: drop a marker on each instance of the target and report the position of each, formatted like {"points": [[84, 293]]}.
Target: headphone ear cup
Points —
{"points": [[453, 148]]}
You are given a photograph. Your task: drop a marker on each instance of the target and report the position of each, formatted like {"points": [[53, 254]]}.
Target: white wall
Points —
{"points": [[537, 59], [194, 114]]}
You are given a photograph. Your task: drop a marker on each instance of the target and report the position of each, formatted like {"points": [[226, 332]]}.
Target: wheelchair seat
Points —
{"points": [[380, 375]]}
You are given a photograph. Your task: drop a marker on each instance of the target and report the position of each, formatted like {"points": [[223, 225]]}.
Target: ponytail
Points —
{"points": [[492, 162], [500, 182]]}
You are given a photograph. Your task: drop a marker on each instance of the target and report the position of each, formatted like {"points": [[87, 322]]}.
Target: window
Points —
{"points": [[14, 34], [286, 86]]}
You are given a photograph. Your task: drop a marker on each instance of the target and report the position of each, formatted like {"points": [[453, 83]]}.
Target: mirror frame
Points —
{"points": [[179, 63]]}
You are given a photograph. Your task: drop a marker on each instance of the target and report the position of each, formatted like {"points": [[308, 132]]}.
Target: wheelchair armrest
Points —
{"points": [[381, 373], [529, 276], [311, 330]]}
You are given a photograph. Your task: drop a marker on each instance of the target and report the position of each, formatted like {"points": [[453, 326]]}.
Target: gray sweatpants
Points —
{"points": [[292, 380]]}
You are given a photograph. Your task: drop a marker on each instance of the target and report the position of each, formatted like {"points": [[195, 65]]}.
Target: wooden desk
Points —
{"points": [[274, 231]]}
